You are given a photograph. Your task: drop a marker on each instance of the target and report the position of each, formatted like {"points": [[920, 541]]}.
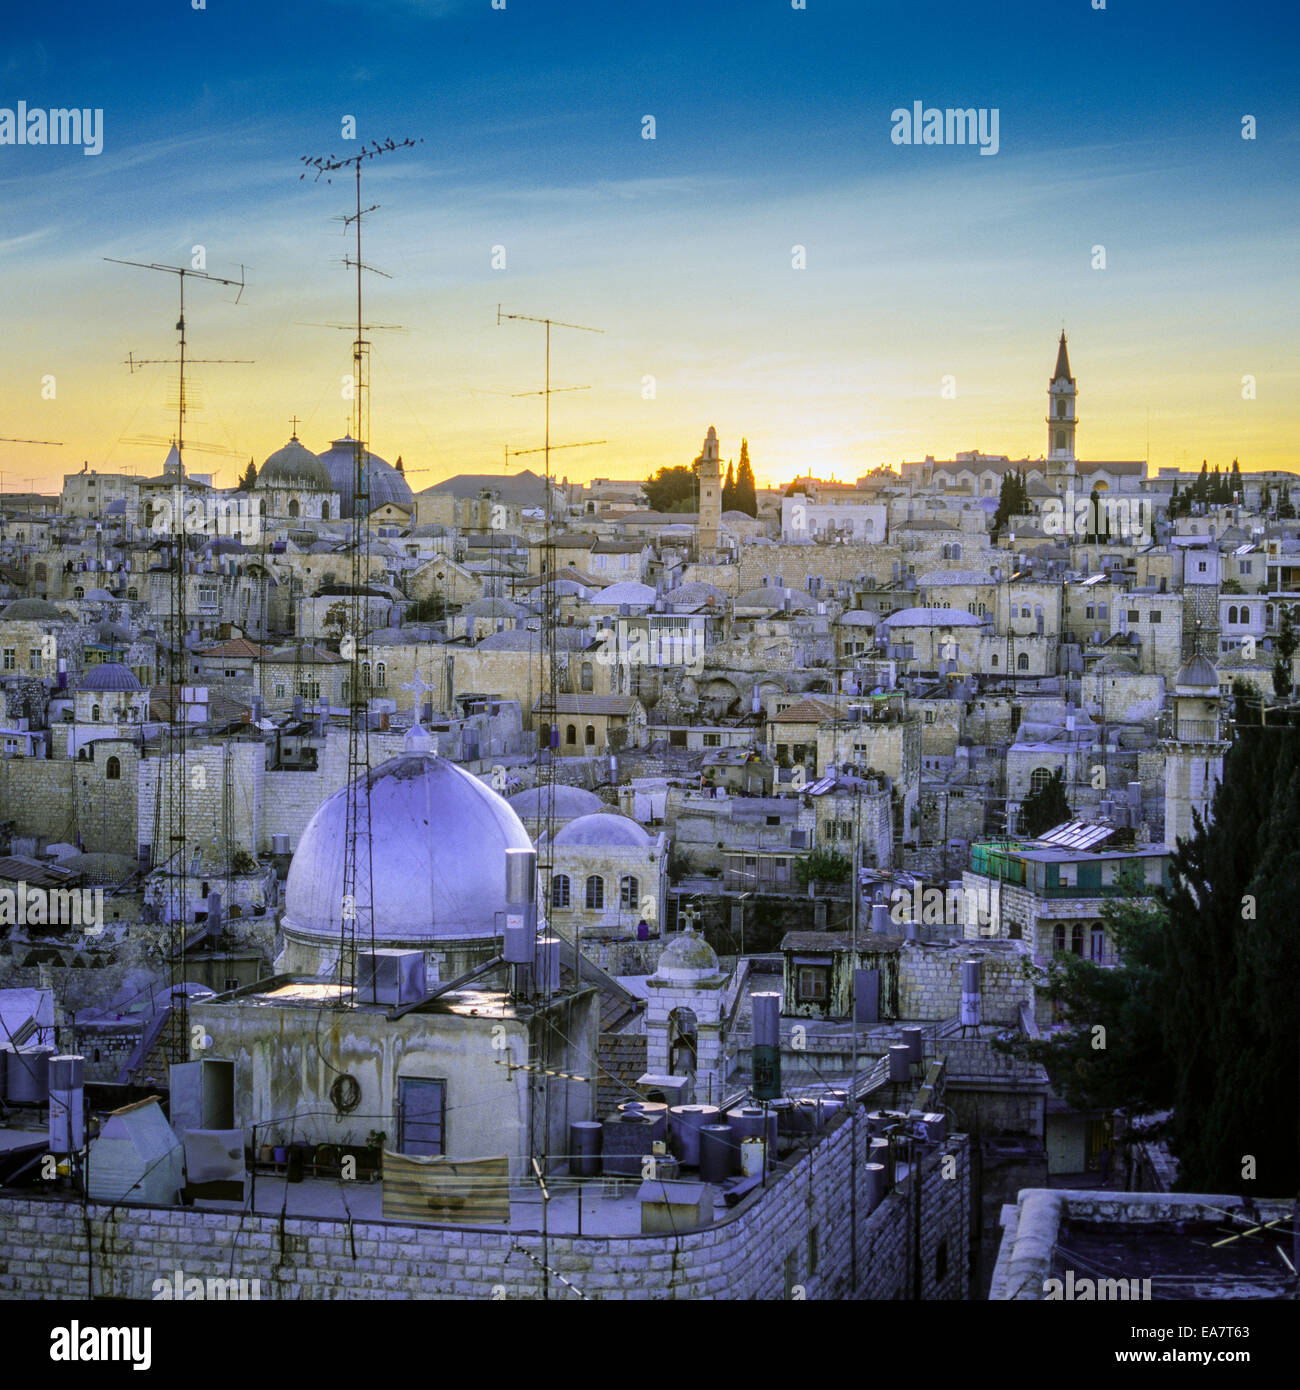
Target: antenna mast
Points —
{"points": [[175, 860], [547, 704], [358, 775]]}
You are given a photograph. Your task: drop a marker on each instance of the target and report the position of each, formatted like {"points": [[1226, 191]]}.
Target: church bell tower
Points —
{"points": [[1062, 395]]}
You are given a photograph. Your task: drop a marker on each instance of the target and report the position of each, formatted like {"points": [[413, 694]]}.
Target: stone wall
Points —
{"points": [[792, 1240], [929, 980], [57, 799]]}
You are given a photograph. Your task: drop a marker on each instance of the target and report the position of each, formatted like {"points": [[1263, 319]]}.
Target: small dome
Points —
{"points": [[294, 466], [31, 610], [99, 595], [628, 591], [570, 803], [1198, 674], [1116, 664], [688, 957], [602, 828], [110, 675]]}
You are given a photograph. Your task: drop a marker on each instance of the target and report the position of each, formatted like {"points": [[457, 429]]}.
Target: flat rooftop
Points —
{"points": [[1183, 1259]]}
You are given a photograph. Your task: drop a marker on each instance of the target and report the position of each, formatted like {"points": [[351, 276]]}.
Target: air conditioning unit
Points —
{"points": [[390, 977]]}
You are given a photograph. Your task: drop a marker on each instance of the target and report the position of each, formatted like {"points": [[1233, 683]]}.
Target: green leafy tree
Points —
{"points": [[248, 478], [668, 488], [1130, 1070], [746, 499], [1202, 1017], [1046, 807], [823, 866], [1285, 650], [1285, 507], [729, 489]]}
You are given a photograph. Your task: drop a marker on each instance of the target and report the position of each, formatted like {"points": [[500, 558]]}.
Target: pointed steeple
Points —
{"points": [[1062, 372]]}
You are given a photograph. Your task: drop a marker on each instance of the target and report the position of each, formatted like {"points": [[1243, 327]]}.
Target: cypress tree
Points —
{"points": [[248, 478], [1046, 807], [746, 499], [1286, 645], [729, 489]]}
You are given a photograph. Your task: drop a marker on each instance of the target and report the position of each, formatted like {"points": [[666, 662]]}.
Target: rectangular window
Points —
{"points": [[712, 740], [279, 690], [10, 658], [1154, 616], [1133, 615], [34, 660], [1200, 566], [1067, 875], [812, 984]]}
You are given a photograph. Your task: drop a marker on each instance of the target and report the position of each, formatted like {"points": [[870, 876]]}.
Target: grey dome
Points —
{"points": [[386, 483], [570, 802], [601, 828], [32, 610], [688, 957], [110, 675], [626, 591], [294, 466], [1198, 673], [438, 841]]}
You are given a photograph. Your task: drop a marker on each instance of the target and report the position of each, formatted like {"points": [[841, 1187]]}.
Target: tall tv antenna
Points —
{"points": [[358, 775], [175, 860], [548, 683]]}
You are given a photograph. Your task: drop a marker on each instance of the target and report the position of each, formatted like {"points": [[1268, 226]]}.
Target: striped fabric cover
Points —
{"points": [[475, 1191]]}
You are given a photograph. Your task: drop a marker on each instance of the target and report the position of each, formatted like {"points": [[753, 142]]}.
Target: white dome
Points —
{"points": [[438, 841], [628, 591], [602, 828]]}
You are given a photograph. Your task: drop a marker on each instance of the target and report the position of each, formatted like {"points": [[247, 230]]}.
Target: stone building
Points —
{"points": [[294, 485], [608, 875]]}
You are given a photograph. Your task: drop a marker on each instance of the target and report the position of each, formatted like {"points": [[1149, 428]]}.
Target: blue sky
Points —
{"points": [[1119, 128]]}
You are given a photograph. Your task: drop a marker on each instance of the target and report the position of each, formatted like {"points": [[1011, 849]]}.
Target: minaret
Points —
{"points": [[1194, 747], [710, 475], [1061, 422]]}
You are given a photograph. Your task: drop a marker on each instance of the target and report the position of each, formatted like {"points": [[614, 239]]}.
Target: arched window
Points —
{"points": [[1039, 778], [629, 892], [1103, 611], [590, 737], [381, 674], [293, 506], [1060, 409], [560, 890], [1058, 937], [1060, 439], [113, 770], [1022, 662], [1098, 944], [587, 677], [365, 673], [261, 507], [1076, 938], [595, 893], [956, 550], [94, 714], [324, 511], [993, 660], [78, 592], [1232, 613], [571, 734], [132, 594]]}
